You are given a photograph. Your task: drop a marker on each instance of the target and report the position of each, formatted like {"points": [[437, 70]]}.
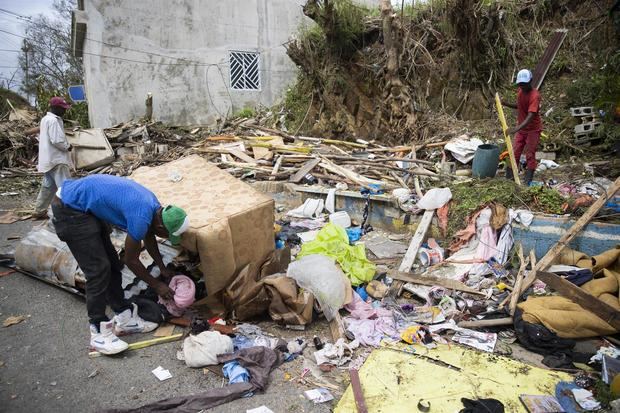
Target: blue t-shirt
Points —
{"points": [[117, 201]]}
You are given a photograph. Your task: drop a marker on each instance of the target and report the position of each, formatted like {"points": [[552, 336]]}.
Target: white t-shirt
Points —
{"points": [[53, 144]]}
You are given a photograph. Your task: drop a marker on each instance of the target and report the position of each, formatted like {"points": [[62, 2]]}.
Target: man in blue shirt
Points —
{"points": [[83, 211]]}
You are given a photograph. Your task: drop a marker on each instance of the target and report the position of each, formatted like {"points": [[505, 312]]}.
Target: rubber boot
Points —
{"points": [[509, 174], [529, 175]]}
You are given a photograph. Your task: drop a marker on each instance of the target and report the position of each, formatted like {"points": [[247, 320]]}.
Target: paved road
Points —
{"points": [[46, 365]]}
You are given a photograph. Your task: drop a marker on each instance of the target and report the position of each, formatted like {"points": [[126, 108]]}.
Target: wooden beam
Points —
{"points": [[276, 168], [412, 251], [358, 393], [242, 155], [511, 155], [304, 170], [433, 281], [416, 241], [589, 302], [486, 323], [516, 293], [336, 327]]}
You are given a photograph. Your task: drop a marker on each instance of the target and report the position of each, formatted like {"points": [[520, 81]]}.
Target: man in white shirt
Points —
{"points": [[54, 155]]}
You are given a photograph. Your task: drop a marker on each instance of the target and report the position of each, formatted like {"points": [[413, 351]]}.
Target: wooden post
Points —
{"points": [[412, 251], [502, 120]]}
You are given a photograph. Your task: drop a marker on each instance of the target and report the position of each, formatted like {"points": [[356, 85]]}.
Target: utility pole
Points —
{"points": [[26, 49]]}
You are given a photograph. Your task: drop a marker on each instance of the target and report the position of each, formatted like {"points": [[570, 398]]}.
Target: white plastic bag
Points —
{"points": [[312, 208], [202, 350], [435, 198], [321, 276], [463, 148]]}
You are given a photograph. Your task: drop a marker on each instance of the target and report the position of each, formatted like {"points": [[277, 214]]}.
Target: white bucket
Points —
{"points": [[341, 218]]}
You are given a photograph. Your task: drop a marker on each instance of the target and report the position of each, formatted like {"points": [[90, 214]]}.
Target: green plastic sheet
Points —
{"points": [[333, 241]]}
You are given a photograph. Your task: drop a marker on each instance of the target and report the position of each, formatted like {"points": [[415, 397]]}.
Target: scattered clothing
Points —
{"points": [[203, 349], [369, 325], [184, 295], [566, 318], [337, 354], [235, 373], [259, 362]]}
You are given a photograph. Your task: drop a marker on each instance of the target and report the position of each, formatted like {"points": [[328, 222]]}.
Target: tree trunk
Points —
{"points": [[397, 94]]}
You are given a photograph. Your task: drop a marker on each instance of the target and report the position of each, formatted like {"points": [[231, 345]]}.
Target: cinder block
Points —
{"points": [[586, 138], [586, 127], [545, 155], [582, 111]]}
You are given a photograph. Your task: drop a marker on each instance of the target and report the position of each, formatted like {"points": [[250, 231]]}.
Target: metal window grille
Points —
{"points": [[244, 73]]}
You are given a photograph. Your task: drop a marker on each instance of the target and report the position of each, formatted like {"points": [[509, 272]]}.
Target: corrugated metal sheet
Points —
{"points": [[545, 62]]}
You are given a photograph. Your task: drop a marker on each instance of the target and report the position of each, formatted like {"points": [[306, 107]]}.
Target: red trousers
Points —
{"points": [[527, 140]]}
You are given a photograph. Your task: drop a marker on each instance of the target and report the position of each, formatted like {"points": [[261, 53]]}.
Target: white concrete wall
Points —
{"points": [[191, 91]]}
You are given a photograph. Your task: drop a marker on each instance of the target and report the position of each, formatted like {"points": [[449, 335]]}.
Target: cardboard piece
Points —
{"points": [[91, 149], [231, 224]]}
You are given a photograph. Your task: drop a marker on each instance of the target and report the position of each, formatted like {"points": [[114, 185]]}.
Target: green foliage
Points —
{"points": [[603, 393], [78, 111], [544, 199], [601, 90], [470, 196], [296, 102], [246, 113]]}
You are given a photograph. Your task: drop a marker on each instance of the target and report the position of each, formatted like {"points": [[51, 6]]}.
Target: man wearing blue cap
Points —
{"points": [[529, 124], [83, 211]]}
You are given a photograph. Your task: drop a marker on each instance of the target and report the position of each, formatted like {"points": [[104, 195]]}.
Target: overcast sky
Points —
{"points": [[8, 60]]}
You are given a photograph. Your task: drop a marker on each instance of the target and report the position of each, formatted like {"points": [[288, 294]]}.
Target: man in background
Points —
{"points": [[529, 124], [54, 155]]}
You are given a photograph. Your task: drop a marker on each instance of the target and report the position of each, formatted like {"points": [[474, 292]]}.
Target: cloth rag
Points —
{"points": [[235, 373], [184, 295], [203, 349]]}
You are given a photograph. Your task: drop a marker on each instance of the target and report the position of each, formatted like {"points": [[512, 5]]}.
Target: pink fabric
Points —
{"points": [[369, 325], [184, 292]]}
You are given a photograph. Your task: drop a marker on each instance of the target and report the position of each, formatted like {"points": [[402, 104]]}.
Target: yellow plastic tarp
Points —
{"points": [[333, 241], [395, 381]]}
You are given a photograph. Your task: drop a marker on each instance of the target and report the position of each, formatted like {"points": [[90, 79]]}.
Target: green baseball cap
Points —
{"points": [[176, 222]]}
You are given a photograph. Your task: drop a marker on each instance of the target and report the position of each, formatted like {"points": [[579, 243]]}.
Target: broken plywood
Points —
{"points": [[394, 380]]}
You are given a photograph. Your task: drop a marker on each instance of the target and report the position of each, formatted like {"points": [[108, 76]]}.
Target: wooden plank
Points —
{"points": [[304, 170], [514, 298], [358, 393], [432, 281], [547, 58], [164, 330], [511, 154], [486, 323], [276, 168], [146, 343], [336, 327], [242, 155], [412, 251], [589, 302], [416, 241]]}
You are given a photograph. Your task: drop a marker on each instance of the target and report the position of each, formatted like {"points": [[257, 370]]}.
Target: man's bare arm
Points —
{"points": [[132, 260]]}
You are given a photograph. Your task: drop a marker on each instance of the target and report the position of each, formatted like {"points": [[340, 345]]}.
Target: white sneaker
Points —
{"points": [[129, 322], [104, 340]]}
